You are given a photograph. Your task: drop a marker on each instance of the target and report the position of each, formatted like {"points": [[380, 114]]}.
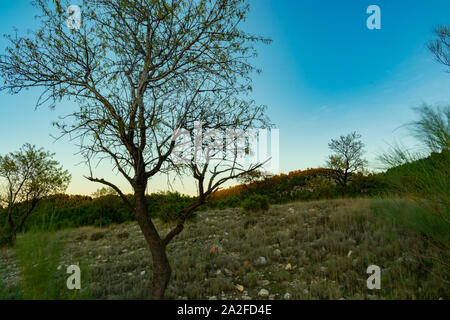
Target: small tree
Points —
{"points": [[28, 176], [347, 159]]}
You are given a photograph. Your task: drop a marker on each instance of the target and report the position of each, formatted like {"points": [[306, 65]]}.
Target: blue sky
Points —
{"points": [[325, 74]]}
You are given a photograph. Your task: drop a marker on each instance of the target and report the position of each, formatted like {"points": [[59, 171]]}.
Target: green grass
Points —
{"points": [[38, 256], [416, 217], [328, 245]]}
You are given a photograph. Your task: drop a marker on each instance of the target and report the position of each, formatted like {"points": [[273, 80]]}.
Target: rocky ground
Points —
{"points": [[314, 250]]}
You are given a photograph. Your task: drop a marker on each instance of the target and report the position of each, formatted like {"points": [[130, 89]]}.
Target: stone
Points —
{"points": [[263, 293], [277, 252], [288, 267], [228, 272], [240, 287], [263, 283], [287, 296], [261, 261]]}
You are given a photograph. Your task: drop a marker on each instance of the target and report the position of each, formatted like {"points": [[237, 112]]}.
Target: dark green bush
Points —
{"points": [[256, 202], [5, 236]]}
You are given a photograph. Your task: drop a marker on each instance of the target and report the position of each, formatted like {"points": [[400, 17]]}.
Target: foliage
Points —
{"points": [[347, 158], [167, 206], [38, 255], [256, 202], [308, 184], [72, 211], [425, 179], [29, 175], [440, 47]]}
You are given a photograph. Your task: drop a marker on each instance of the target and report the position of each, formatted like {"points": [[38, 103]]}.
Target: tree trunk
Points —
{"points": [[12, 228], [161, 266], [161, 274], [13, 237]]}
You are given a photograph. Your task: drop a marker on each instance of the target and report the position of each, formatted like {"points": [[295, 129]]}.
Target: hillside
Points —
{"points": [[302, 250]]}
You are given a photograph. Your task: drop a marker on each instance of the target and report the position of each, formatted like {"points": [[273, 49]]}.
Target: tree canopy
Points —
{"points": [[27, 176]]}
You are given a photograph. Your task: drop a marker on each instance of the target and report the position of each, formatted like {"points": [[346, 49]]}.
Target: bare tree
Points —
{"points": [[140, 71], [440, 47], [28, 176], [347, 159]]}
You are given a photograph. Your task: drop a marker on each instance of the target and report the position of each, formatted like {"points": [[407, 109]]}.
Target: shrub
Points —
{"points": [[38, 255], [321, 188], [122, 236], [5, 237], [424, 178], [167, 206], [255, 203], [97, 236]]}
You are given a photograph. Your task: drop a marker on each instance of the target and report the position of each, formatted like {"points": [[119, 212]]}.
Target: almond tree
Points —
{"points": [[347, 159], [139, 71], [28, 176]]}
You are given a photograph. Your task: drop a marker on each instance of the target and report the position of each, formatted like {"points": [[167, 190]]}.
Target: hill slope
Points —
{"points": [[313, 250]]}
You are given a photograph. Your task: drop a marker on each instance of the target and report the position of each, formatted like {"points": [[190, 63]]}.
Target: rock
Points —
{"points": [[246, 297], [323, 269], [288, 267], [240, 287], [305, 291], [228, 272], [287, 296], [291, 210], [277, 252], [59, 267], [143, 272], [219, 272], [213, 298], [263, 283], [263, 293], [261, 261]]}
